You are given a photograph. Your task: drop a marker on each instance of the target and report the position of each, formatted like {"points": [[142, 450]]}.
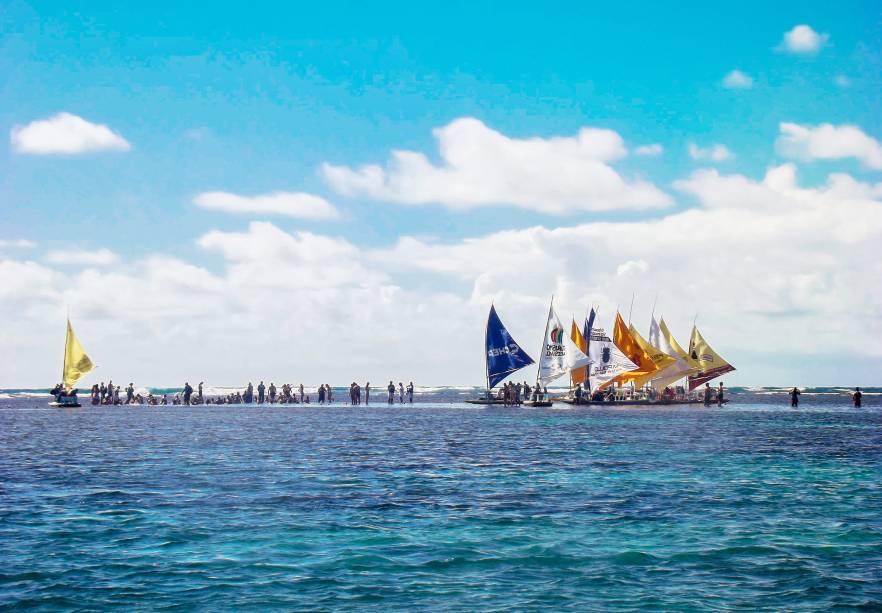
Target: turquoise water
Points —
{"points": [[440, 507]]}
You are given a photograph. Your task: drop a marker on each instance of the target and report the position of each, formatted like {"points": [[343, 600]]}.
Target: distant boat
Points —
{"points": [[76, 365], [503, 356]]}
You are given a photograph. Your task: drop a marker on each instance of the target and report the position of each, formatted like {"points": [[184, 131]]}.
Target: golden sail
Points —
{"points": [[628, 345], [579, 375], [710, 362], [658, 357], [76, 362]]}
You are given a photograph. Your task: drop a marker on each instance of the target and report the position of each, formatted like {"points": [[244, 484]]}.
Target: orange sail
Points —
{"points": [[628, 345], [579, 375]]}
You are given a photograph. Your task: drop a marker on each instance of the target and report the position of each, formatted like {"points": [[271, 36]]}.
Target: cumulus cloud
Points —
{"points": [[66, 134], [737, 80], [482, 167], [650, 150], [291, 204], [714, 153], [802, 39], [773, 267], [829, 142], [81, 257]]}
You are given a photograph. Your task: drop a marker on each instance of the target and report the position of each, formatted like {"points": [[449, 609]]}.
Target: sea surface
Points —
{"points": [[442, 506]]}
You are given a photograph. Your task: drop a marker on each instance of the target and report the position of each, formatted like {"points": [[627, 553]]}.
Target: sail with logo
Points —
{"points": [[709, 361], [504, 355], [608, 362], [560, 355]]}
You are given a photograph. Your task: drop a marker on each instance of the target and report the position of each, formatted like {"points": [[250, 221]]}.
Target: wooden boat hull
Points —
{"points": [[636, 403], [538, 404], [490, 401], [65, 405]]}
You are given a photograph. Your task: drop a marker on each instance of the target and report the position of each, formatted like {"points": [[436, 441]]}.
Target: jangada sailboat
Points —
{"points": [[503, 357], [76, 365], [560, 356]]}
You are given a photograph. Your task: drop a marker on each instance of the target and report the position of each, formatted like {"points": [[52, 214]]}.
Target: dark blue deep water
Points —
{"points": [[441, 507]]}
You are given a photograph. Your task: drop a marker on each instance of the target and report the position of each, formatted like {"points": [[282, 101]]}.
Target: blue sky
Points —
{"points": [[253, 99]]}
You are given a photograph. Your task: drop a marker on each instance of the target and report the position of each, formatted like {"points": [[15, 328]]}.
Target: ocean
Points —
{"points": [[443, 506]]}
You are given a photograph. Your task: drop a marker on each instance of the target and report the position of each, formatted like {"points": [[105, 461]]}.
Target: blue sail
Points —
{"points": [[586, 329], [586, 332], [504, 355]]}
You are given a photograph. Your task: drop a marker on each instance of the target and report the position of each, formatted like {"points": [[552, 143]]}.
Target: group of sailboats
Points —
{"points": [[625, 369]]}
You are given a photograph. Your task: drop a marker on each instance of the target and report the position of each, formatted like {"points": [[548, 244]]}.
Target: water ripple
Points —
{"points": [[439, 508]]}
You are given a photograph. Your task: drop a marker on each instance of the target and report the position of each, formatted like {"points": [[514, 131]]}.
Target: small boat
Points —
{"points": [[76, 365], [66, 401], [503, 357]]}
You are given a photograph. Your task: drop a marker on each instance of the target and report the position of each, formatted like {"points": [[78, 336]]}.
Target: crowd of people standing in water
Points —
{"points": [[111, 394]]}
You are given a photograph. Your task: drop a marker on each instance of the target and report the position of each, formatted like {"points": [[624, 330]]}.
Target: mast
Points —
{"points": [[544, 338], [631, 310], [66, 341], [487, 357]]}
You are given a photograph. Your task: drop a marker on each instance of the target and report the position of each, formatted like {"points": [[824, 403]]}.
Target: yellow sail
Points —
{"points": [[659, 357], [579, 375], [711, 364], [676, 346], [628, 345], [76, 362]]}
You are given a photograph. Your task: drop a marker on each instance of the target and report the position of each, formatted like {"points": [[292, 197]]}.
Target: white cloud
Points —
{"points": [[802, 39], [292, 204], [737, 80], [650, 150], [18, 243], [81, 257], [772, 266], [65, 133], [829, 142], [715, 153], [269, 257], [482, 167]]}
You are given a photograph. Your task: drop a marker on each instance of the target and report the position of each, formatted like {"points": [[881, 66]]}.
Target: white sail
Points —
{"points": [[560, 354], [675, 371], [608, 362]]}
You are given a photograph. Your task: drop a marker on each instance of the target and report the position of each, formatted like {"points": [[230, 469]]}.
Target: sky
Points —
{"points": [[339, 191]]}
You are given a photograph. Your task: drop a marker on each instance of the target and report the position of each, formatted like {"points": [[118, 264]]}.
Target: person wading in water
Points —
{"points": [[794, 397]]}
